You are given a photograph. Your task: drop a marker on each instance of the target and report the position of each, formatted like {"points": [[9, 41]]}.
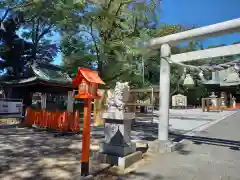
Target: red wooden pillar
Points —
{"points": [[86, 138]]}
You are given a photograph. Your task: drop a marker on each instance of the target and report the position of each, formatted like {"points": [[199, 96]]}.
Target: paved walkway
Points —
{"points": [[213, 155]]}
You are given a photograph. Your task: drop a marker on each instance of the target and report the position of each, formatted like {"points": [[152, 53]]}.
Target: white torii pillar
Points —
{"points": [[164, 93]]}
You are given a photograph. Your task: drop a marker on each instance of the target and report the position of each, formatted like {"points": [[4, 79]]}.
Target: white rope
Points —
{"points": [[205, 67]]}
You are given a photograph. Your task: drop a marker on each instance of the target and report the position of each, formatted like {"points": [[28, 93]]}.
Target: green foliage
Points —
{"points": [[34, 21], [114, 29], [76, 54]]}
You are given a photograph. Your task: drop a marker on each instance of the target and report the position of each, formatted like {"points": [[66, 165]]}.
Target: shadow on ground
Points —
{"points": [[149, 131], [28, 154], [138, 175], [198, 140], [183, 150]]}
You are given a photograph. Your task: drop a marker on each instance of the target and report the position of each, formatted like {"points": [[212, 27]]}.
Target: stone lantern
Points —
{"points": [[188, 81]]}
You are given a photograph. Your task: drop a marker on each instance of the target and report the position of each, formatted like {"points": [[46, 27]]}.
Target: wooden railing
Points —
{"points": [[206, 104], [60, 121]]}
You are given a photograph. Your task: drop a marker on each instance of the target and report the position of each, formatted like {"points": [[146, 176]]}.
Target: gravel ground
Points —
{"points": [[28, 154]]}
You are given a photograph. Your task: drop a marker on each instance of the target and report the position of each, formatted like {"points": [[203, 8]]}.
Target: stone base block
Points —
{"points": [[89, 177], [117, 114], [121, 162], [117, 150], [163, 146]]}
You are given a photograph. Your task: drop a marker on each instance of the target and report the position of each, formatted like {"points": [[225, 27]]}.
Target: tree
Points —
{"points": [[13, 48], [153, 59], [77, 54], [42, 20], [115, 29], [35, 22], [39, 27], [112, 41]]}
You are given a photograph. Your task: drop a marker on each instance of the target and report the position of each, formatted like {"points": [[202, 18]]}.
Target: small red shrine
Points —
{"points": [[87, 82]]}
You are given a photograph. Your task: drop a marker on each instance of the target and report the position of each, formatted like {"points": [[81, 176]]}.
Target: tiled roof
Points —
{"points": [[51, 73], [42, 73]]}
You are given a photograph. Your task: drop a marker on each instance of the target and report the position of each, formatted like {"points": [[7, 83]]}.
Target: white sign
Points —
{"points": [[149, 109], [179, 100], [70, 101], [11, 107]]}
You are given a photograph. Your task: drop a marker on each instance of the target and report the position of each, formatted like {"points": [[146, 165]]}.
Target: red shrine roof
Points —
{"points": [[87, 74]]}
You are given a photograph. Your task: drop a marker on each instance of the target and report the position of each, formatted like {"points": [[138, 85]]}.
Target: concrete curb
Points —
{"points": [[121, 162], [163, 146]]}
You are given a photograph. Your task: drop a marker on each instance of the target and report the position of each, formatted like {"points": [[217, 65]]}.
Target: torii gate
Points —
{"points": [[164, 43]]}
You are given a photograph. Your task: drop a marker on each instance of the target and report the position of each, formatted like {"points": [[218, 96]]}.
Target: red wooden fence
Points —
{"points": [[61, 121]]}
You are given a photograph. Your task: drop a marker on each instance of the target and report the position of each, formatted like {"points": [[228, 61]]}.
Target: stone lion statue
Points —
{"points": [[119, 97]]}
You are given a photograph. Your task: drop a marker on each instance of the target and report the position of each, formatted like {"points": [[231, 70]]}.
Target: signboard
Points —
{"points": [[70, 101], [11, 107], [179, 100]]}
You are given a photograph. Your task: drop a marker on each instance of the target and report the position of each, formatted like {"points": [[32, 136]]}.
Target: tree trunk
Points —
{"points": [[99, 108], [100, 61], [100, 68]]}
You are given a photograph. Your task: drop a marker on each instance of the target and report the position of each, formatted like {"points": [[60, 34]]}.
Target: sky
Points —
{"points": [[202, 13], [199, 13]]}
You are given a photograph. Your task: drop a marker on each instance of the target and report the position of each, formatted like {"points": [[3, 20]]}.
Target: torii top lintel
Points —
{"points": [[88, 75]]}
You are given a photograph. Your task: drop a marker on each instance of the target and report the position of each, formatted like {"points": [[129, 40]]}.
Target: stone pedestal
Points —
{"points": [[117, 134], [117, 146]]}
